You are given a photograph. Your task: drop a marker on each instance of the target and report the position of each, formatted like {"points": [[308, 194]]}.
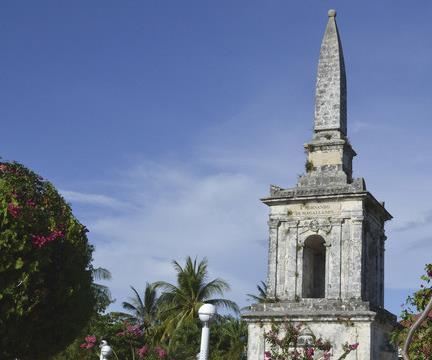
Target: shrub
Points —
{"points": [[46, 294]]}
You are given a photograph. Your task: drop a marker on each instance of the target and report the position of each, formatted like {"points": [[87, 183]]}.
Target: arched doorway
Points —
{"points": [[314, 255]]}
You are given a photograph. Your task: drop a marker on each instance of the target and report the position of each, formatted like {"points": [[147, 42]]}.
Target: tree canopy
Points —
{"points": [[46, 293], [182, 300]]}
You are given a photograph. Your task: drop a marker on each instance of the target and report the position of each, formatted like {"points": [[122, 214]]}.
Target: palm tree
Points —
{"points": [[233, 338], [263, 296], [102, 292], [142, 311], [180, 302]]}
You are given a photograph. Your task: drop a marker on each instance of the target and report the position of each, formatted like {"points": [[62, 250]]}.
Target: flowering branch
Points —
{"points": [[416, 325], [296, 344]]}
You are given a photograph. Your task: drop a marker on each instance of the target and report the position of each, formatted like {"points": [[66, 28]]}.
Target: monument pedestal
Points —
{"points": [[334, 321]]}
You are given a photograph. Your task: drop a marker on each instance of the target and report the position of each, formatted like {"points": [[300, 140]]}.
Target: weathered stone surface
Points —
{"points": [[329, 222], [340, 221], [369, 329], [330, 99]]}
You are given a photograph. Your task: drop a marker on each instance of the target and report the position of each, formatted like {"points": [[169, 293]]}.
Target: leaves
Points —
{"points": [[143, 311], [146, 328], [421, 346], [182, 301], [45, 277], [263, 296]]}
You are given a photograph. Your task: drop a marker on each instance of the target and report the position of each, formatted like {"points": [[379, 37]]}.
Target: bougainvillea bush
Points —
{"points": [[127, 341], [287, 345], [46, 294]]}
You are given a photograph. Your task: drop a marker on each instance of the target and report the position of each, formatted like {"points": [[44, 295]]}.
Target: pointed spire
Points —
{"points": [[330, 99]]}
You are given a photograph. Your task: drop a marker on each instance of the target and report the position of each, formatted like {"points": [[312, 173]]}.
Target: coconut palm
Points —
{"points": [[102, 292], [233, 338], [262, 296], [180, 302], [142, 310]]}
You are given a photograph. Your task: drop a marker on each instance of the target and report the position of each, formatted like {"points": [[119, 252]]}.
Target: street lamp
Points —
{"points": [[106, 350], [206, 313]]}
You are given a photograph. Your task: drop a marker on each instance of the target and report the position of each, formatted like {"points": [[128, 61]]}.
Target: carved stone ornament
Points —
{"points": [[314, 225], [323, 225], [273, 223], [326, 226]]}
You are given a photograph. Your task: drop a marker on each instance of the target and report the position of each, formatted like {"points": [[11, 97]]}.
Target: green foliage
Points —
{"points": [[150, 326], [181, 301], [421, 346], [262, 296], [124, 338], [229, 339], [309, 166], [184, 342], [102, 292], [143, 311], [46, 293]]}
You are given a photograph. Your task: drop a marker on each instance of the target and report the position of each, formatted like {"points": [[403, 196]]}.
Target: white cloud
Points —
{"points": [[93, 199], [217, 216], [209, 206]]}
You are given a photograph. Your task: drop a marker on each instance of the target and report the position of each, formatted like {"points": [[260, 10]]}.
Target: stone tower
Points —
{"points": [[326, 236]]}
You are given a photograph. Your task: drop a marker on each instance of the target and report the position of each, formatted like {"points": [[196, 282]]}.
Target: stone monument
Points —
{"points": [[326, 243]]}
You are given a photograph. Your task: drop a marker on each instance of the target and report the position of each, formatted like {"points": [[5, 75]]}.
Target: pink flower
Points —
{"points": [[326, 355], [142, 352], [131, 330], [90, 341], [40, 240], [354, 346], [267, 355], [309, 353], [161, 353], [3, 167], [14, 210], [134, 330], [31, 203]]}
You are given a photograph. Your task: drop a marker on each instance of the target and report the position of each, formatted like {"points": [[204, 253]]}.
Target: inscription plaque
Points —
{"points": [[314, 209]]}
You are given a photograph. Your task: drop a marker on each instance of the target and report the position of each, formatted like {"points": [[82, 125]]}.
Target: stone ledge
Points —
{"points": [[380, 315], [313, 308], [357, 186]]}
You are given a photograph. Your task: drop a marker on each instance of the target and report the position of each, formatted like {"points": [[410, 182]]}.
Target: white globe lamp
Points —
{"points": [[106, 350], [206, 313]]}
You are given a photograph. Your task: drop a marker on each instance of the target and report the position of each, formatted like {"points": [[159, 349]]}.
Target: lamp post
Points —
{"points": [[206, 313], [106, 350]]}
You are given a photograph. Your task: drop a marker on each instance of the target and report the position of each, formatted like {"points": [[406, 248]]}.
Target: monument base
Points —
{"points": [[333, 321]]}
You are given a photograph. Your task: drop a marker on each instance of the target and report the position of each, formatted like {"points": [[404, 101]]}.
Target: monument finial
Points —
{"points": [[330, 100], [332, 13]]}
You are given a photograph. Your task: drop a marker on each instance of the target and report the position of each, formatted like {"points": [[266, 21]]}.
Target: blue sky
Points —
{"points": [[164, 122]]}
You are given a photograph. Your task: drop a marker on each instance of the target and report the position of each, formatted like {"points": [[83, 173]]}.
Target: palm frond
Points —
{"points": [[137, 299], [224, 303], [216, 286], [129, 306], [101, 274]]}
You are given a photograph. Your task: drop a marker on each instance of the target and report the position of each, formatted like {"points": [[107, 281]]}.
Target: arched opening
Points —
{"points": [[314, 254]]}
